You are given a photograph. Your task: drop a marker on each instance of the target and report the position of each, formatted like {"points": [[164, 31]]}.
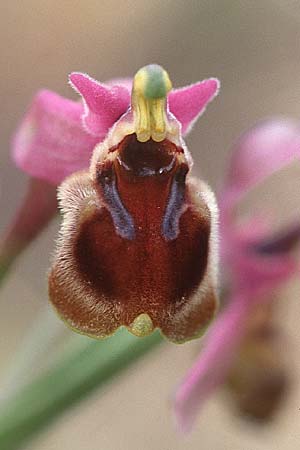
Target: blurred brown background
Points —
{"points": [[253, 48]]}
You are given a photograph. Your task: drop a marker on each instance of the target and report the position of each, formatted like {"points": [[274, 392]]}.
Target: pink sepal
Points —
{"points": [[50, 142]]}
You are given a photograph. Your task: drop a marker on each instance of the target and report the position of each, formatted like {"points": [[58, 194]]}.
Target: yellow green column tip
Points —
{"points": [[151, 85], [152, 81]]}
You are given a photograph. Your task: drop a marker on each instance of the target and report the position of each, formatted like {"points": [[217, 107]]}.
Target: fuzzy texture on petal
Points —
{"points": [[57, 135], [136, 207], [189, 103], [105, 230], [103, 104], [50, 142]]}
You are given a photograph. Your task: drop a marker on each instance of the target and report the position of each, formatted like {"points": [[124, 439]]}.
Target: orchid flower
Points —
{"points": [[138, 240], [57, 136], [258, 261]]}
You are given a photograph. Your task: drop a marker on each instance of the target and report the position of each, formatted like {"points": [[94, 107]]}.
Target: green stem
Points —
{"points": [[77, 375], [39, 340]]}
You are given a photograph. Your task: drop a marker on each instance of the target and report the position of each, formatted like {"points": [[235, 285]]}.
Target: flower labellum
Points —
{"points": [[138, 241]]}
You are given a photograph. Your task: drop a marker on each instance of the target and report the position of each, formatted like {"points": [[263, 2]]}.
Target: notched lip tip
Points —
{"points": [[129, 329]]}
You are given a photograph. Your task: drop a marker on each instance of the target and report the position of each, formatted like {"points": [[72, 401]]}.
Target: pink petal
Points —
{"points": [[259, 152], [50, 142], [213, 363], [103, 104], [188, 103]]}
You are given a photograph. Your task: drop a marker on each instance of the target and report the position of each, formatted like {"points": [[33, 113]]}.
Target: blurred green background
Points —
{"points": [[253, 48]]}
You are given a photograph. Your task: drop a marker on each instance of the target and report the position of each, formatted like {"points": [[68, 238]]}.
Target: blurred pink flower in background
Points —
{"points": [[257, 260]]}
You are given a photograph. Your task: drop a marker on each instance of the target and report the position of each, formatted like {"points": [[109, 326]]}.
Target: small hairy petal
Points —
{"points": [[50, 142], [261, 151], [189, 103], [104, 104], [57, 135]]}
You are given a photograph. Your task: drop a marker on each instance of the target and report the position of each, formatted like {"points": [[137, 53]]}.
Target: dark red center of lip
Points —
{"points": [[140, 244], [146, 242], [147, 158], [143, 187]]}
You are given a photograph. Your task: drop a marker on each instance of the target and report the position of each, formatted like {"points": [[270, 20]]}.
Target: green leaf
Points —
{"points": [[86, 367]]}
